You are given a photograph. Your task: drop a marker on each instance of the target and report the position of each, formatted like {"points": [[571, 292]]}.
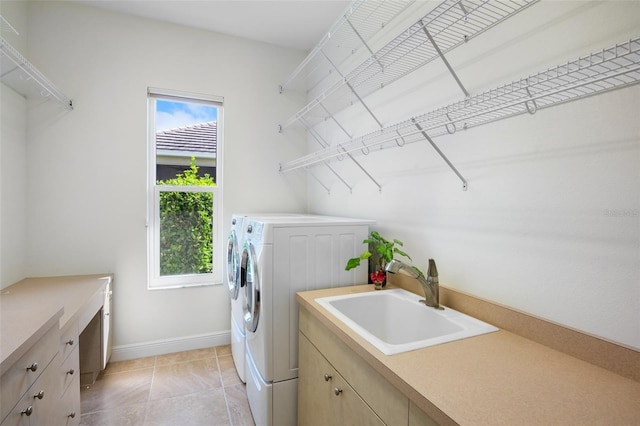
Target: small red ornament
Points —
{"points": [[378, 277]]}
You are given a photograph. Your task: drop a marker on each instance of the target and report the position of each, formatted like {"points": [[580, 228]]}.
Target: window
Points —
{"points": [[185, 189]]}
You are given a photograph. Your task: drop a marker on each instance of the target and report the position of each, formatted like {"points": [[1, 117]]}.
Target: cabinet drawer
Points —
{"points": [[69, 413], [27, 370], [68, 371], [18, 416], [390, 404], [69, 339], [39, 404]]}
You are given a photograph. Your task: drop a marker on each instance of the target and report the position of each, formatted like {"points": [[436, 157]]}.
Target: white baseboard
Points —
{"points": [[161, 347]]}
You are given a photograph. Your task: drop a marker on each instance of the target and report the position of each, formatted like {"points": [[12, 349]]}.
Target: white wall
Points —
{"points": [[13, 182], [533, 230], [550, 223], [13, 160], [87, 192]]}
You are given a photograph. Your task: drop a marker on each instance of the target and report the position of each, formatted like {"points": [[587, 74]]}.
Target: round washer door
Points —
{"points": [[233, 265], [250, 280]]}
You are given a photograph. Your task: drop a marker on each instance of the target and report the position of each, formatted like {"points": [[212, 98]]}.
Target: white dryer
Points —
{"points": [[234, 251], [236, 292], [282, 256]]}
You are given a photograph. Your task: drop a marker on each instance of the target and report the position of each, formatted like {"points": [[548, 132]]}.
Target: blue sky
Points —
{"points": [[171, 114]]}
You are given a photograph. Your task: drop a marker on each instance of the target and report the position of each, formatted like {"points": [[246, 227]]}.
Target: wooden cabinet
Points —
{"points": [[41, 321], [325, 397], [69, 376], [417, 417], [30, 388], [328, 367]]}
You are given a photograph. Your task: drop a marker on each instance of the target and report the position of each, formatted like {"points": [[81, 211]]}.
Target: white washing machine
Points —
{"points": [[234, 251], [236, 293], [282, 256]]}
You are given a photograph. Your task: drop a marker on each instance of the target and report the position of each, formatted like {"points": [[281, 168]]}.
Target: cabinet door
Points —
{"points": [[417, 417], [313, 388], [348, 408], [324, 396], [389, 404]]}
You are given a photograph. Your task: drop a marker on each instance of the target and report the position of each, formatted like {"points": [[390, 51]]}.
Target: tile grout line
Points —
{"points": [[224, 391], [146, 404], [157, 362]]}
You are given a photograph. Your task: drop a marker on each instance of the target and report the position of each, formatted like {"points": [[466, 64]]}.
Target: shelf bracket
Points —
{"points": [[318, 180], [362, 168], [9, 25], [314, 133], [464, 10], [364, 43], [337, 123], [532, 106], [364, 104], [352, 91], [444, 59], [348, 154], [339, 177], [444, 157]]}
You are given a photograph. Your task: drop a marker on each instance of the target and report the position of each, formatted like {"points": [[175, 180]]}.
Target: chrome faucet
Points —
{"points": [[429, 284]]}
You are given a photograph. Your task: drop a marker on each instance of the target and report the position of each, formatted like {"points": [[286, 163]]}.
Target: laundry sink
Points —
{"points": [[395, 321]]}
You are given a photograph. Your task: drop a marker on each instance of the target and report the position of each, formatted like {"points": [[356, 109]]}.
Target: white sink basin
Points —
{"points": [[394, 320]]}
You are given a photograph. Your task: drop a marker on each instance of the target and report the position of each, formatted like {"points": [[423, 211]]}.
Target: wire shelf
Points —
{"points": [[357, 24], [450, 24], [600, 72], [18, 73]]}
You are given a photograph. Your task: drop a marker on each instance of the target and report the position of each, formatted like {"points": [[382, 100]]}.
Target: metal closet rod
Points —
{"points": [[33, 74], [600, 72], [450, 24]]}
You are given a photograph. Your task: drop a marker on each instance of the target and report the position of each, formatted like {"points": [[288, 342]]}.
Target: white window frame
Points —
{"points": [[155, 280]]}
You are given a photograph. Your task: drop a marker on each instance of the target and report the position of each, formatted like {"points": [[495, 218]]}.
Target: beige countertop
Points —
{"points": [[30, 307], [496, 378]]}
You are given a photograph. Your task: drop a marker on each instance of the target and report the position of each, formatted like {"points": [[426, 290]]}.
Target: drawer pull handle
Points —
{"points": [[33, 367], [327, 377], [70, 342], [27, 411], [337, 391], [39, 395], [72, 414], [70, 372]]}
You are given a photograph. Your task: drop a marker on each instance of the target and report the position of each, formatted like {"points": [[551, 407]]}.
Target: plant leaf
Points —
{"points": [[401, 253], [365, 255], [418, 271], [354, 262]]}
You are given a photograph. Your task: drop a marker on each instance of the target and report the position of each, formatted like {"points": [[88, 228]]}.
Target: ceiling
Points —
{"points": [[297, 24]]}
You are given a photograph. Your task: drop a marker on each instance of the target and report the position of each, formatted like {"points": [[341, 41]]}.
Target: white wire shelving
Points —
{"points": [[447, 26], [353, 30], [611, 68], [19, 74]]}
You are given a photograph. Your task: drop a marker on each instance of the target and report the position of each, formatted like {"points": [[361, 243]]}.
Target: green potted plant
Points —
{"points": [[380, 252]]}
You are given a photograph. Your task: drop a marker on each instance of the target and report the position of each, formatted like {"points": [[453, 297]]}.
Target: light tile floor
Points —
{"points": [[193, 388]]}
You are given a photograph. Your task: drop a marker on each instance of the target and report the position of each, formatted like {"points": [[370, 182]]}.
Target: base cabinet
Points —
{"points": [[336, 386], [69, 415], [325, 397], [417, 417], [37, 372], [42, 386]]}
